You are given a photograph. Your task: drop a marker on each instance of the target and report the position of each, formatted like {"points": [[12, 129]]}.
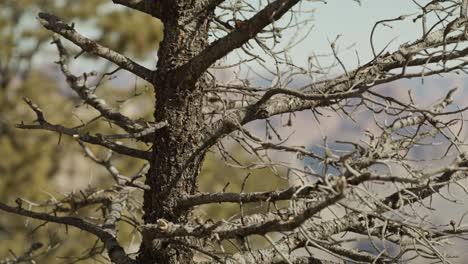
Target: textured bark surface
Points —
{"points": [[173, 171]]}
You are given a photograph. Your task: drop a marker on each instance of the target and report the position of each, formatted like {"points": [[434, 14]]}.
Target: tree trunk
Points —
{"points": [[179, 102]]}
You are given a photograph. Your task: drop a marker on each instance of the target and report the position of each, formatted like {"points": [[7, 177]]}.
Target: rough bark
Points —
{"points": [[173, 173]]}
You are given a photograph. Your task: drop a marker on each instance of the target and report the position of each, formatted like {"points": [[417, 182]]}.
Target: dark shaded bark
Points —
{"points": [[173, 172]]}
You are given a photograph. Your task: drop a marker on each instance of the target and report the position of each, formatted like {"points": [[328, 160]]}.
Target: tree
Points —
{"points": [[195, 112]]}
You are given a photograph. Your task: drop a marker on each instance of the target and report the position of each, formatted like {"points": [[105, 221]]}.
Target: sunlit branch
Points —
{"points": [[54, 24], [43, 124]]}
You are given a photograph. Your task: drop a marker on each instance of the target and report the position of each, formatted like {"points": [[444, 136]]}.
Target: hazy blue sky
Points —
{"points": [[354, 22]]}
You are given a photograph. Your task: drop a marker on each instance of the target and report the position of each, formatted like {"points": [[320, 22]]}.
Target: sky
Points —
{"points": [[354, 22]]}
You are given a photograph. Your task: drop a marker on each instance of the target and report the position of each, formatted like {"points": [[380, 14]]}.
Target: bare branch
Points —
{"points": [[238, 37], [75, 133], [150, 7], [115, 251], [204, 198], [273, 223], [90, 98], [54, 24]]}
